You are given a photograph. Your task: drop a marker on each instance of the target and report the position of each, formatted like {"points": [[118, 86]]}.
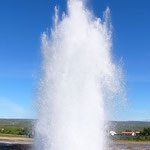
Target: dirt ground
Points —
{"points": [[15, 140], [130, 143], [30, 140], [26, 144]]}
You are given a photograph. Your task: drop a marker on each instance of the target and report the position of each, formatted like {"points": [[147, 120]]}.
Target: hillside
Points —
{"points": [[119, 126], [16, 123]]}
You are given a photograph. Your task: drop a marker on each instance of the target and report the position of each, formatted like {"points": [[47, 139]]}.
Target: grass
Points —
{"points": [[15, 127], [16, 123], [12, 135], [130, 138], [120, 126]]}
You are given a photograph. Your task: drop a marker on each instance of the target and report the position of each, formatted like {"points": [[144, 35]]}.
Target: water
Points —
{"points": [[78, 77], [12, 146]]}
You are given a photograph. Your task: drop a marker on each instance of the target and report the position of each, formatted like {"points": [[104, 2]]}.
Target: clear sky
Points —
{"points": [[21, 25]]}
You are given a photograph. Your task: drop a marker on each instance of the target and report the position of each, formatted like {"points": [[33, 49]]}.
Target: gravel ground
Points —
{"points": [[13, 143]]}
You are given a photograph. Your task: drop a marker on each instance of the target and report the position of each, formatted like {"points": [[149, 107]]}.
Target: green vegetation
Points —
{"points": [[131, 138], [16, 127], [119, 126], [143, 127], [23, 128], [12, 135], [146, 132]]}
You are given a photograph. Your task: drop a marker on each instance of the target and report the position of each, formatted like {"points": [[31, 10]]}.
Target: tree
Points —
{"points": [[146, 131]]}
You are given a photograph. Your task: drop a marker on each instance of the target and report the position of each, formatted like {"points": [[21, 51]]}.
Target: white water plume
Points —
{"points": [[78, 77]]}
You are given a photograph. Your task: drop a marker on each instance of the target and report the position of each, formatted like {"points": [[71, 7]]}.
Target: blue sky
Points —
{"points": [[21, 25]]}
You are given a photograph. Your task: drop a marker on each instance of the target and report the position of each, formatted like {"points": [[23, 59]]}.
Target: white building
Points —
{"points": [[112, 133]]}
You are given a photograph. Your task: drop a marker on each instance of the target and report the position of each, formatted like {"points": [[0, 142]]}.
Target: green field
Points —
{"points": [[120, 126], [23, 128], [16, 127], [130, 138]]}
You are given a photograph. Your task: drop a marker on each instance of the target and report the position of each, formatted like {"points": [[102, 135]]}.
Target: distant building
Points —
{"points": [[129, 133], [112, 133], [137, 132]]}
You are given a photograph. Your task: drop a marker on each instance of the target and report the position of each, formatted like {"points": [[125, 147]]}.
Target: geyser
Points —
{"points": [[78, 76]]}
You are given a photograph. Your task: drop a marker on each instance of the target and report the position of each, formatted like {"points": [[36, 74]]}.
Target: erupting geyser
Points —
{"points": [[78, 77]]}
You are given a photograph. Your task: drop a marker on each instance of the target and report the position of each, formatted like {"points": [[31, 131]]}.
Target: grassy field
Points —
{"points": [[130, 138], [15, 127], [120, 126], [12, 135], [16, 123], [22, 128]]}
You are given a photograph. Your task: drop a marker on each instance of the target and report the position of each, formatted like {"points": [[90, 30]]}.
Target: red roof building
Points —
{"points": [[129, 133]]}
